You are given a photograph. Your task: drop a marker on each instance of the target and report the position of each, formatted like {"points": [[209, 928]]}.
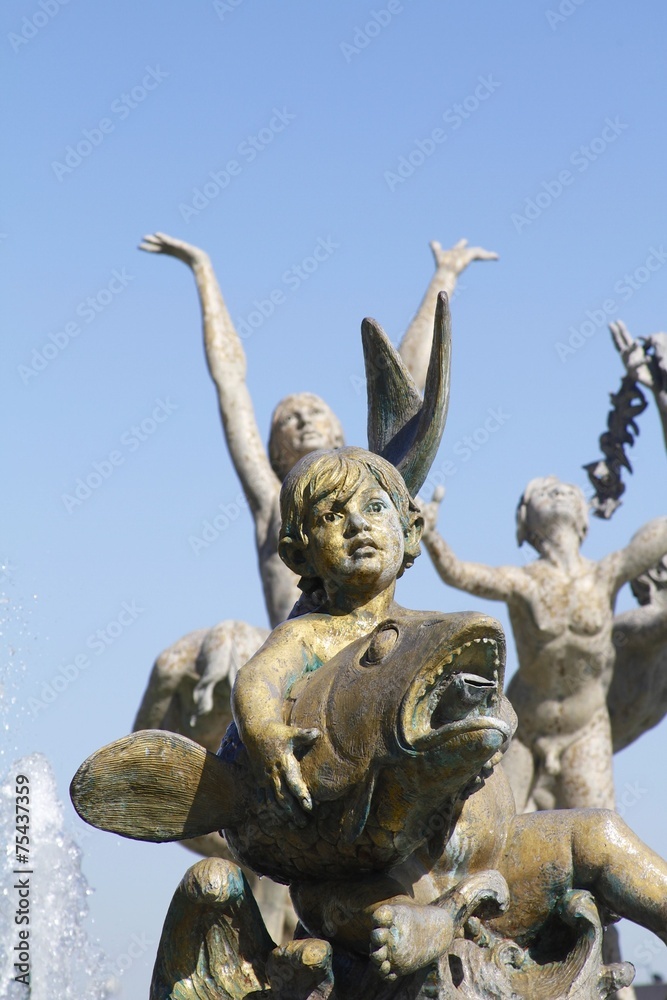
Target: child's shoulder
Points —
{"points": [[302, 628]]}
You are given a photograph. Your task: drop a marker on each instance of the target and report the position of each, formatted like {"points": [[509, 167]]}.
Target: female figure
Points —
{"points": [[301, 423]]}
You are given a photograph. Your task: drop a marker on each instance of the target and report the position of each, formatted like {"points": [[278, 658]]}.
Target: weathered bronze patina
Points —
{"points": [[361, 770]]}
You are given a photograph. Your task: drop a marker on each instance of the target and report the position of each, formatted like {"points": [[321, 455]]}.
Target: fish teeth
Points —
{"points": [[430, 682]]}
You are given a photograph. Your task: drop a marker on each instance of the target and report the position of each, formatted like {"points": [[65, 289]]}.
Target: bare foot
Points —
{"points": [[407, 938], [161, 243]]}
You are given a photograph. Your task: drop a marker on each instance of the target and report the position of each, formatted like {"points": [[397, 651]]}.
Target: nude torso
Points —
{"points": [[562, 629]]}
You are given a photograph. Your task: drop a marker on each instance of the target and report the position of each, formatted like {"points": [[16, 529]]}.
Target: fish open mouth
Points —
{"points": [[457, 697]]}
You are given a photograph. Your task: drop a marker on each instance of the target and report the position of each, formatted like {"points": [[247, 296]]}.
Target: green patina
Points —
{"points": [[311, 662]]}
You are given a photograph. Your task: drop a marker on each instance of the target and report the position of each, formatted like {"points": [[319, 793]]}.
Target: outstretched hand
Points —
{"points": [[161, 243], [431, 510], [633, 354], [457, 258]]}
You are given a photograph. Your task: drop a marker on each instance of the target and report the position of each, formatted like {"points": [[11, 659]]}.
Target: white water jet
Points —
{"points": [[64, 963]]}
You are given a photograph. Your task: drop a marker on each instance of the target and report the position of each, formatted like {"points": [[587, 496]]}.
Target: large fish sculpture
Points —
{"points": [[407, 800], [409, 716]]}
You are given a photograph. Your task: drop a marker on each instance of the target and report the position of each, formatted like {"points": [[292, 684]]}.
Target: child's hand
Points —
{"points": [[272, 754]]}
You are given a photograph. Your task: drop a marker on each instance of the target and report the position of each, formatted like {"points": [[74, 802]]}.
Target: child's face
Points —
{"points": [[356, 542]]}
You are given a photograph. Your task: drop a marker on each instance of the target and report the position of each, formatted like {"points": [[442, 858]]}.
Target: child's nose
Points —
{"points": [[356, 522]]}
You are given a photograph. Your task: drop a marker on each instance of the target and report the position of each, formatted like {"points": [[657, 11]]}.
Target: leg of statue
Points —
{"points": [[406, 932], [626, 875], [586, 780], [549, 853], [519, 767], [213, 937]]}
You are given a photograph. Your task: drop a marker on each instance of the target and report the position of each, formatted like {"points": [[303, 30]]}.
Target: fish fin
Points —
{"points": [[401, 427], [157, 786], [393, 399], [357, 813]]}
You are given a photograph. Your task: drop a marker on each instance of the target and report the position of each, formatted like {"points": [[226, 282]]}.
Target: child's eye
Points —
{"points": [[330, 516], [376, 507]]}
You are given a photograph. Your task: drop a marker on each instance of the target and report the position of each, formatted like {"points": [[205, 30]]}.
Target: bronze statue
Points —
{"points": [[561, 609], [190, 682], [301, 423], [362, 771], [637, 698]]}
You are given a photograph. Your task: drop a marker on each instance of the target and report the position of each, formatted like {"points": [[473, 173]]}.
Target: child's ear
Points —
{"points": [[293, 554], [413, 535]]}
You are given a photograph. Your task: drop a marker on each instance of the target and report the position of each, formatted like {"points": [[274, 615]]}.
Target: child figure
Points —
{"points": [[350, 529]]}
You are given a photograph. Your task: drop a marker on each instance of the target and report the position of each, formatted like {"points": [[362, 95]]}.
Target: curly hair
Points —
{"points": [[322, 473]]}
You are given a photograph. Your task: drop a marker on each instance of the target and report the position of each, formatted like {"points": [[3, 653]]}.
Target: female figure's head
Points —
{"points": [[301, 423], [548, 505], [348, 521]]}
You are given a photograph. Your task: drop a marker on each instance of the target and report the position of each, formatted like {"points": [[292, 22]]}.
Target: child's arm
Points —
{"points": [[257, 702]]}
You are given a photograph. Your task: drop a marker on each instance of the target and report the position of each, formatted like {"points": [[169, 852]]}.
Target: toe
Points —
{"points": [[385, 970], [383, 916]]}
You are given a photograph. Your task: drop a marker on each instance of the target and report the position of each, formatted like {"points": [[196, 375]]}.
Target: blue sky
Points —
{"points": [[535, 131]]}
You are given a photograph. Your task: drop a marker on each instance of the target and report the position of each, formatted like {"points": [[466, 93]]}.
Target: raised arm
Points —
{"points": [[646, 548], [227, 365], [495, 583], [415, 347], [646, 362]]}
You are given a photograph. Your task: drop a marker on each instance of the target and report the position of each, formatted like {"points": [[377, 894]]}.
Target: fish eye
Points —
{"points": [[381, 644]]}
